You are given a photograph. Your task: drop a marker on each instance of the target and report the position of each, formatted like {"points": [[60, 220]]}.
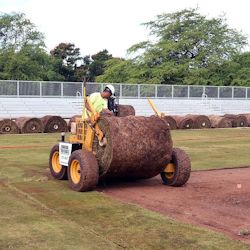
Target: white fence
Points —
{"points": [[11, 88]]}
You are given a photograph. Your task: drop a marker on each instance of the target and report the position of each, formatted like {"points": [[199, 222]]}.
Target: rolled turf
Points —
{"points": [[29, 125], [184, 122], [54, 124], [220, 122], [137, 147], [125, 110], [7, 126]]}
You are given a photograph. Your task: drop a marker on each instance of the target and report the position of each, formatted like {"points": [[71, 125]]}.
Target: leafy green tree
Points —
{"points": [[185, 45], [97, 66], [70, 60], [30, 63], [68, 53], [233, 72], [188, 35], [117, 71], [22, 51], [83, 70], [92, 66], [242, 72], [17, 31]]}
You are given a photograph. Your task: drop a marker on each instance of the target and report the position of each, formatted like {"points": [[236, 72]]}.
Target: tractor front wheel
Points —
{"points": [[177, 172], [83, 173], [58, 171]]}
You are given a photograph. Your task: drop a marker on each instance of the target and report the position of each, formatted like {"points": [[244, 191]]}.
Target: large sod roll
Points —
{"points": [[29, 125], [183, 122], [53, 124], [248, 119], [220, 122], [237, 120], [125, 110], [8, 126], [200, 121], [171, 121], [137, 147]]}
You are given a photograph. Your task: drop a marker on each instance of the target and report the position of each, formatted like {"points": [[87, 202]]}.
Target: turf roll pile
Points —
{"points": [[237, 120], [200, 121], [248, 119], [8, 126], [54, 124], [183, 122], [220, 122], [29, 125], [137, 147], [125, 110], [171, 121]]}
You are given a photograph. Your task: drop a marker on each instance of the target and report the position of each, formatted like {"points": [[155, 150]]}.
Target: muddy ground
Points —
{"points": [[217, 199]]}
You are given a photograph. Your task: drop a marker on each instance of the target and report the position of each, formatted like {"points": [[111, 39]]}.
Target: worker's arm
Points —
{"points": [[105, 109]]}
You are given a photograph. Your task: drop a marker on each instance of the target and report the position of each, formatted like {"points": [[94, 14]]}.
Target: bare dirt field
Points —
{"points": [[217, 199]]}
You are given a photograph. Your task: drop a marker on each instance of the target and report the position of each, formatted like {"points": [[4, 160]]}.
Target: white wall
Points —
{"points": [[67, 107]]}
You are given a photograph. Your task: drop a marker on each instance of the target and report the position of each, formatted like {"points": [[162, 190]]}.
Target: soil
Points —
{"points": [[217, 199]]}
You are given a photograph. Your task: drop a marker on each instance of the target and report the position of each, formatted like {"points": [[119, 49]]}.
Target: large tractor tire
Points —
{"points": [[83, 173], [58, 171], [177, 172]]}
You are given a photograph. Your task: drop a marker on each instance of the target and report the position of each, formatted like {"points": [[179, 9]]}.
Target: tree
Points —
{"points": [[22, 51], [83, 70], [97, 66], [17, 31], [185, 45], [242, 72], [116, 71], [30, 63], [234, 72], [188, 35], [70, 60]]}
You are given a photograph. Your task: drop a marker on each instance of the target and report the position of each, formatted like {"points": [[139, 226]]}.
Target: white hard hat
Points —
{"points": [[111, 88]]}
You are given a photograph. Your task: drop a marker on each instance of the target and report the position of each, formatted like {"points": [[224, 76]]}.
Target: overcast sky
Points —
{"points": [[94, 25]]}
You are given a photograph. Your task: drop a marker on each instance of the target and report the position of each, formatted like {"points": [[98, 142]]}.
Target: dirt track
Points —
{"points": [[218, 199]]}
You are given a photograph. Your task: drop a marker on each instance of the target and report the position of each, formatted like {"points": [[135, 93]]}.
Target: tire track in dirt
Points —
{"points": [[218, 199]]}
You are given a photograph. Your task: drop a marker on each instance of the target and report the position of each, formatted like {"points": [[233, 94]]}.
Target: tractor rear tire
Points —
{"points": [[83, 172], [58, 171], [182, 169]]}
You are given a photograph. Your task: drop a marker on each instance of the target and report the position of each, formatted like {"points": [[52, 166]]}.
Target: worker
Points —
{"points": [[100, 100]]}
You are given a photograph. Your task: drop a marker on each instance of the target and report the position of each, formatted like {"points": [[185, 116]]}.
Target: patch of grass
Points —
{"points": [[29, 139], [25, 224], [38, 212], [44, 214], [214, 148]]}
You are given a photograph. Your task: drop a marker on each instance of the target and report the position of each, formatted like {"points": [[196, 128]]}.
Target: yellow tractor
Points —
{"points": [[93, 152]]}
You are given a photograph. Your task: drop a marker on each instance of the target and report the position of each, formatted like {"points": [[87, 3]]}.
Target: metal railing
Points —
{"points": [[12, 88]]}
